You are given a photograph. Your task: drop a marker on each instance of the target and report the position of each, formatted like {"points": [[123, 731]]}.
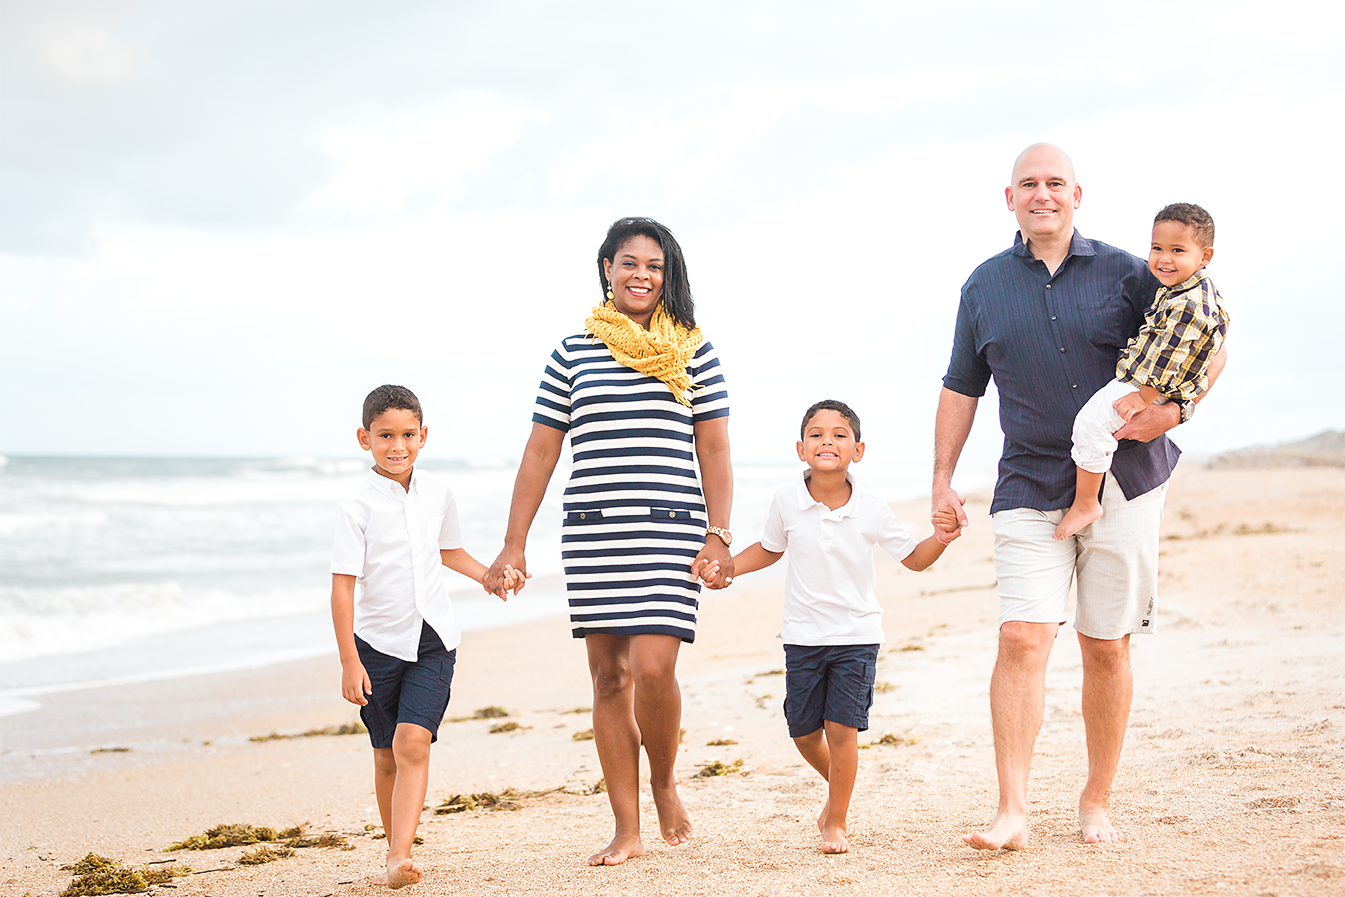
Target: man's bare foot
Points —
{"points": [[673, 820], [1097, 827], [402, 873], [621, 849], [1004, 833], [1076, 518]]}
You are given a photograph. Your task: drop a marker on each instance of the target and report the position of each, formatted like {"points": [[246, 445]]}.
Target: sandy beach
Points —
{"points": [[1231, 780]]}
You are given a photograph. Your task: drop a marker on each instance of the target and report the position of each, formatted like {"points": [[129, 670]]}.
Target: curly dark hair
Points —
{"points": [[1194, 217], [831, 405], [389, 396], [676, 296]]}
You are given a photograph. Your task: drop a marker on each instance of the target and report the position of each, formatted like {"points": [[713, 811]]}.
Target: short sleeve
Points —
{"points": [[553, 393], [709, 391], [773, 534], [891, 535], [968, 374], [348, 543], [450, 534]]}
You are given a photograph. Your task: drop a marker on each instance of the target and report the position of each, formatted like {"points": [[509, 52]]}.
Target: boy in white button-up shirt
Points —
{"points": [[394, 624], [833, 623]]}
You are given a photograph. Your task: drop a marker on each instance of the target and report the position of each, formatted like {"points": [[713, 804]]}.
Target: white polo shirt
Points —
{"points": [[829, 583], [389, 539]]}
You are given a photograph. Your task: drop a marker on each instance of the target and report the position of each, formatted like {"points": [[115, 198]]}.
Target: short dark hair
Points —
{"points": [[831, 405], [1194, 217], [676, 296], [389, 396]]}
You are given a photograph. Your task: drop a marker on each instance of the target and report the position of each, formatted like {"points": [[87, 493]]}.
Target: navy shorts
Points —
{"points": [[828, 683], [407, 692]]}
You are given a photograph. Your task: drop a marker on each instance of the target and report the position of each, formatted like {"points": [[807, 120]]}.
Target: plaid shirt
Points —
{"points": [[1181, 332]]}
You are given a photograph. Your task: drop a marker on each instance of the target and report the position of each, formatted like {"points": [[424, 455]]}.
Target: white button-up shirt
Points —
{"points": [[829, 583], [389, 540]]}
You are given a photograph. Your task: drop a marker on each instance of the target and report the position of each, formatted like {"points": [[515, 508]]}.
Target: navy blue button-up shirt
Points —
{"points": [[1050, 342]]}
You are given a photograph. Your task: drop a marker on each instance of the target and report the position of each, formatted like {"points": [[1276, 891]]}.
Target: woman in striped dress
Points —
{"points": [[641, 395]]}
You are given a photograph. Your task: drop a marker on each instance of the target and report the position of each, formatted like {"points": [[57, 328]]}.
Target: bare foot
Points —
{"points": [[673, 820], [1097, 827], [833, 834], [403, 873], [1076, 518], [1004, 833], [621, 849]]}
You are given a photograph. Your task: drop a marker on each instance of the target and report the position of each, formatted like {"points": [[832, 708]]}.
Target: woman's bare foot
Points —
{"points": [[402, 873], [1076, 518], [1097, 827], [673, 820], [621, 849], [1005, 832]]}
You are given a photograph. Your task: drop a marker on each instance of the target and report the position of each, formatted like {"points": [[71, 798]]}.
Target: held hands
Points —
{"points": [[355, 683], [946, 504], [1129, 405], [510, 571], [714, 564], [946, 526]]}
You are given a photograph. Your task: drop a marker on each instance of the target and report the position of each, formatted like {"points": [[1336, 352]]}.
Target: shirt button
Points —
{"points": [[1052, 317], [1074, 386], [672, 513], [1062, 349], [1048, 286]]}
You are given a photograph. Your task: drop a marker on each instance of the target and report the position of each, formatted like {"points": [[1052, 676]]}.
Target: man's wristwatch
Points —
{"points": [[1187, 409], [723, 534]]}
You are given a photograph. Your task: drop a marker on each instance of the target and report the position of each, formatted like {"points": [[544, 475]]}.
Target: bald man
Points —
{"points": [[1047, 319]]}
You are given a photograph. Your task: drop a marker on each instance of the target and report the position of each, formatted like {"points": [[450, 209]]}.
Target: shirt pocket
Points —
{"points": [[627, 514], [432, 527]]}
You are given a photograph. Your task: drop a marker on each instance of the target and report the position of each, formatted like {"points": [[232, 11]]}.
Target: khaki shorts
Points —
{"points": [[1115, 560]]}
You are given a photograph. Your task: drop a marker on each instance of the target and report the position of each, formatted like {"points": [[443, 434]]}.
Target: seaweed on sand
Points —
{"points": [[355, 728], [491, 712], [586, 735], [98, 875], [719, 768], [264, 854], [889, 740], [326, 839], [235, 834]]}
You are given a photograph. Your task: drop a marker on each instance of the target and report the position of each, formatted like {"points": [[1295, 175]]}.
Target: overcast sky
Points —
{"points": [[221, 224]]}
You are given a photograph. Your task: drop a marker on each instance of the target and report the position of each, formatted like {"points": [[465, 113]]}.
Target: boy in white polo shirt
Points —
{"points": [[394, 624], [833, 623]]}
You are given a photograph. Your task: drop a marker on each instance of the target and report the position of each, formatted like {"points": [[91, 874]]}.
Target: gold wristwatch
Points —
{"points": [[723, 534]]}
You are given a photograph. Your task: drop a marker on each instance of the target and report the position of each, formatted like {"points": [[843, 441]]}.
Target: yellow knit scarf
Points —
{"points": [[662, 351]]}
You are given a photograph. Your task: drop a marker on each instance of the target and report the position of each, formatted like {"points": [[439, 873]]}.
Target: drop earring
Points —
{"points": [[610, 294]]}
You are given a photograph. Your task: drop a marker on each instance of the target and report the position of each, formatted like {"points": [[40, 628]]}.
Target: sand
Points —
{"points": [[1230, 783]]}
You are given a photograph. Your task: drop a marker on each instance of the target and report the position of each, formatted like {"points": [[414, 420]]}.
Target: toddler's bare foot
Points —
{"points": [[402, 873], [1076, 518], [673, 820], [621, 849], [1006, 831], [1097, 827]]}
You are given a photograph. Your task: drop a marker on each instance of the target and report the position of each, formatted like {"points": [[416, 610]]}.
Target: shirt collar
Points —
{"points": [[807, 501], [1078, 245], [389, 486], [1189, 283]]}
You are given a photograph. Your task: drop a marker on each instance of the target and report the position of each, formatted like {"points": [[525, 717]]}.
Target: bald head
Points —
{"points": [[1042, 153]]}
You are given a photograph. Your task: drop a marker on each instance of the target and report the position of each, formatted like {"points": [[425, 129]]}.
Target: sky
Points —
{"points": [[221, 224]]}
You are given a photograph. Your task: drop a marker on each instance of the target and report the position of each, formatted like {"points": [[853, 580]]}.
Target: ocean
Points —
{"points": [[116, 570]]}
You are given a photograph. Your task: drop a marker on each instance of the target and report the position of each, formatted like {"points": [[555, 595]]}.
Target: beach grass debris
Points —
{"points": [[577, 710], [508, 799], [510, 726], [761, 701], [355, 728], [330, 840], [586, 735], [1263, 530], [264, 854], [910, 647], [111, 750], [98, 875], [770, 673], [235, 834], [884, 687], [887, 739], [491, 712], [719, 768], [720, 742]]}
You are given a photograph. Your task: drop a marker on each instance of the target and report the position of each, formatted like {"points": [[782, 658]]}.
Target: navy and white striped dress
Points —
{"points": [[634, 513]]}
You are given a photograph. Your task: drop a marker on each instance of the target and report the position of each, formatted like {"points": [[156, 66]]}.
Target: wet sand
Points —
{"points": [[1231, 779]]}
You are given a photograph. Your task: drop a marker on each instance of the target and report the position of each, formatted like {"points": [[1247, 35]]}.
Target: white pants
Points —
{"points": [[1094, 425]]}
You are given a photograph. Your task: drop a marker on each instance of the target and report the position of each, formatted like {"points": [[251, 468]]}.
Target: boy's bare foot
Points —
{"points": [[1076, 518], [833, 836], [621, 849], [402, 873], [673, 820], [1097, 827], [1005, 832]]}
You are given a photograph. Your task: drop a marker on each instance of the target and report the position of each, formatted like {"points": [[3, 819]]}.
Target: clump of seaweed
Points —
{"points": [[911, 647], [264, 854], [889, 740], [510, 726], [99, 875], [111, 750], [508, 799], [720, 742], [326, 839], [883, 687], [719, 768], [355, 728], [235, 834], [586, 735], [491, 712], [577, 710]]}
